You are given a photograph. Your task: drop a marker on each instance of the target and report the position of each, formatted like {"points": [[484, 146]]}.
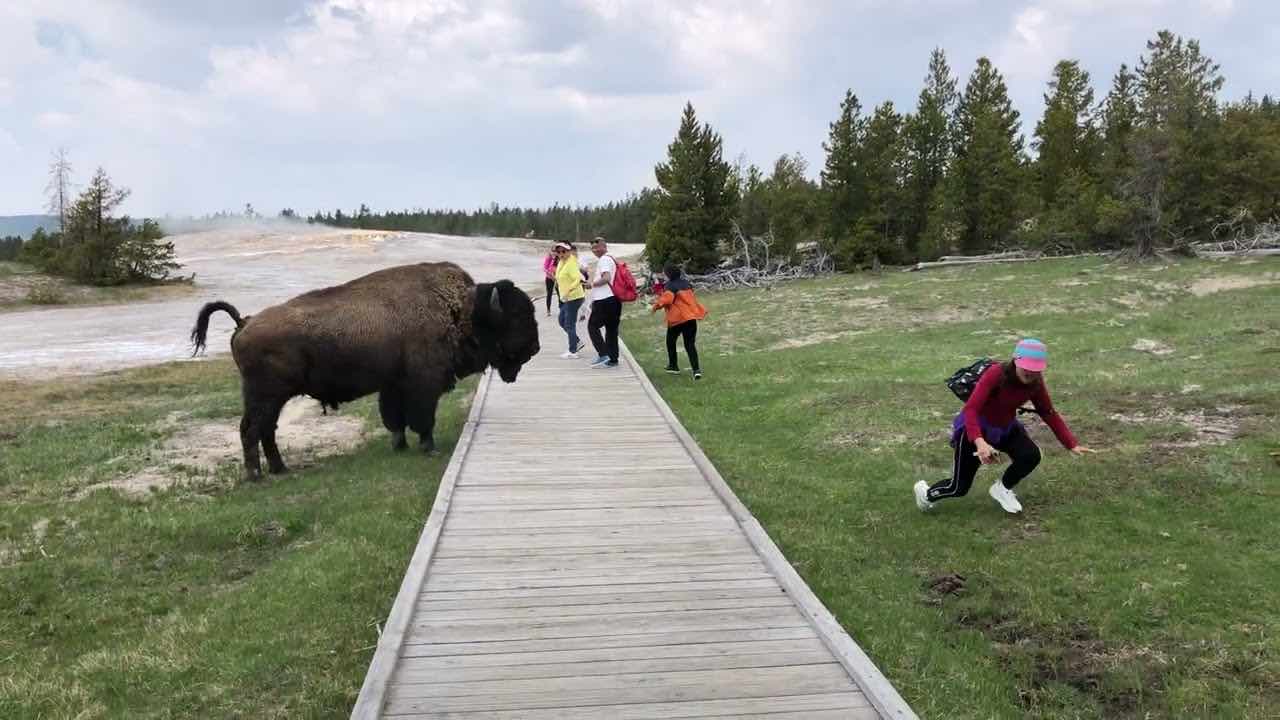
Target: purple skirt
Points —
{"points": [[994, 434]]}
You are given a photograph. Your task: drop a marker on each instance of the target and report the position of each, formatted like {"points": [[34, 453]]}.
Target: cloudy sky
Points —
{"points": [[200, 106]]}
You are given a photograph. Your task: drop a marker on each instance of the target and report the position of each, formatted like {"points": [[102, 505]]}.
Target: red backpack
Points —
{"points": [[623, 283]]}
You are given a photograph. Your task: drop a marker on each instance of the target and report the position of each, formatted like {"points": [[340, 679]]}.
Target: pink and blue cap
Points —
{"points": [[1030, 354]]}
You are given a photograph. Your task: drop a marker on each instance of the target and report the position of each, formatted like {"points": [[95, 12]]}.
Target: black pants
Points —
{"points": [[605, 314], [1024, 456], [552, 289], [689, 329]]}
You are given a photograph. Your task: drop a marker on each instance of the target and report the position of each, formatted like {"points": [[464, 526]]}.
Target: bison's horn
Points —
{"points": [[493, 301]]}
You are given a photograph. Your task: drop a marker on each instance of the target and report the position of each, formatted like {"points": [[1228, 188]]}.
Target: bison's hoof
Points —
{"points": [[252, 476], [427, 447], [398, 442], [281, 470]]}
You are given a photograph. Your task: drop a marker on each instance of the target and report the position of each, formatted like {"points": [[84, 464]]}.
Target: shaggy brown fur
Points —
{"points": [[408, 333]]}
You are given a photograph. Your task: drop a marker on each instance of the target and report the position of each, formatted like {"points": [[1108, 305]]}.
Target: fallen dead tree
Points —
{"points": [[1239, 235], [752, 264], [1007, 257]]}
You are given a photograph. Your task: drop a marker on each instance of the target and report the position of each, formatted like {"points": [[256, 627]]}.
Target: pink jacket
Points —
{"points": [[549, 266]]}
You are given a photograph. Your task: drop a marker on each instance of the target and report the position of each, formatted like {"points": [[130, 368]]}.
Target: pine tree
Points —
{"points": [[696, 199], [928, 144], [1065, 137], [1119, 118], [884, 167], [1177, 116], [791, 203], [1247, 161], [987, 173], [844, 185]]}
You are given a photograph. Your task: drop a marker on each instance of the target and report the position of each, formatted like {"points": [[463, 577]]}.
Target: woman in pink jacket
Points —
{"points": [[549, 275]]}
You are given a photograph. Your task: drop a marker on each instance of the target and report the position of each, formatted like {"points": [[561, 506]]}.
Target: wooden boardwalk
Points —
{"points": [[583, 559]]}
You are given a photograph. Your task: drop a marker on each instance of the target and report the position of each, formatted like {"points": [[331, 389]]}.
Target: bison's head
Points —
{"points": [[505, 327]]}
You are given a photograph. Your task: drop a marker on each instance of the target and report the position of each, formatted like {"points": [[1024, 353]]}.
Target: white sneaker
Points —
{"points": [[569, 356], [1005, 497], [922, 496]]}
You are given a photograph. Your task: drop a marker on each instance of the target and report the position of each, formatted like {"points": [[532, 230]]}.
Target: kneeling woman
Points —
{"points": [[989, 425]]}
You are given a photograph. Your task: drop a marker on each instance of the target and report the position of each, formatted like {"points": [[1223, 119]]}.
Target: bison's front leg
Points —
{"points": [[420, 410], [391, 407]]}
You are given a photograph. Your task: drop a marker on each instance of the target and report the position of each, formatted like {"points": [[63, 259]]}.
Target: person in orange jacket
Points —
{"points": [[683, 313]]}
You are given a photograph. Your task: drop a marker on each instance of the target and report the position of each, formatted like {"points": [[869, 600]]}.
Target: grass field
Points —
{"points": [[22, 288], [206, 598], [1140, 582]]}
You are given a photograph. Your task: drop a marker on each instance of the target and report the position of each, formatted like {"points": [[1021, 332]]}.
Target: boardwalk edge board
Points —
{"points": [[883, 696], [373, 692]]}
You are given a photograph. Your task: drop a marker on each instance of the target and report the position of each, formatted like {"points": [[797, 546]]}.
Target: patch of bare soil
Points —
{"points": [[1155, 347], [811, 339], [1208, 426], [1072, 656], [196, 450], [1222, 283], [946, 584]]}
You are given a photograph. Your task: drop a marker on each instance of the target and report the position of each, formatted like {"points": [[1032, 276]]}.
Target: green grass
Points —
{"points": [[210, 599], [1140, 582], [23, 288]]}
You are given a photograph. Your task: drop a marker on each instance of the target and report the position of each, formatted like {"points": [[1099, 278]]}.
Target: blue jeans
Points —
{"points": [[569, 321]]}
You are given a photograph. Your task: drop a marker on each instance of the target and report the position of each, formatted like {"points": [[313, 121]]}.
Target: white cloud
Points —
{"points": [[459, 102]]}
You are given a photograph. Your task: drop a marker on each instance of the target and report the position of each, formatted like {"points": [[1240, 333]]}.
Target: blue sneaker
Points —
{"points": [[600, 360]]}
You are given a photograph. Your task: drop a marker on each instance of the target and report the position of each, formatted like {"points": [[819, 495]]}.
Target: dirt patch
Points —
{"points": [[1021, 531], [1223, 283], [865, 302], [948, 584], [1155, 347], [1072, 655], [1211, 426], [812, 339], [196, 450]]}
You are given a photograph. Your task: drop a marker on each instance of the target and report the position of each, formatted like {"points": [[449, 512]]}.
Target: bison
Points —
{"points": [[407, 333]]}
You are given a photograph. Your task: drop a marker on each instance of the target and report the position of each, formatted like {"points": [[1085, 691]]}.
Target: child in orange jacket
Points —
{"points": [[683, 313]]}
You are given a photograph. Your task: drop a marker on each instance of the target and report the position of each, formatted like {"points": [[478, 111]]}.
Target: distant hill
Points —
{"points": [[24, 225]]}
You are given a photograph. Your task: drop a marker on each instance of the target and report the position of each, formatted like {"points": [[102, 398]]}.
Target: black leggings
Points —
{"points": [[689, 329], [552, 289], [1023, 454]]}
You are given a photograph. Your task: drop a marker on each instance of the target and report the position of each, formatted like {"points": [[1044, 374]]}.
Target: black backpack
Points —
{"points": [[963, 381]]}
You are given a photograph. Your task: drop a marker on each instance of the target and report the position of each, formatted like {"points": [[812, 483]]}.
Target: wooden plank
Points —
{"points": [[496, 581], [592, 590], [430, 602], [407, 674], [427, 613], [637, 688], [577, 536], [602, 626], [557, 546], [847, 705], [564, 562], [613, 654], [426, 648]]}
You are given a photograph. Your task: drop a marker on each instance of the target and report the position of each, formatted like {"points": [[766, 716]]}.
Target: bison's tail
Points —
{"points": [[202, 323]]}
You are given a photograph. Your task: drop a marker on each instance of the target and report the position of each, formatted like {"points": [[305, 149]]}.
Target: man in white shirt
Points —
{"points": [[606, 310]]}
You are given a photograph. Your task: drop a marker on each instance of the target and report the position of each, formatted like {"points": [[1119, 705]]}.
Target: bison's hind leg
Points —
{"points": [[391, 407], [420, 410], [259, 426], [271, 416]]}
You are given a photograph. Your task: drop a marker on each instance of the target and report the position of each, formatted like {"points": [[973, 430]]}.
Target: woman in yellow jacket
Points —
{"points": [[683, 313], [569, 285]]}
